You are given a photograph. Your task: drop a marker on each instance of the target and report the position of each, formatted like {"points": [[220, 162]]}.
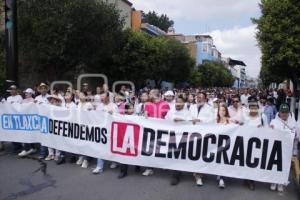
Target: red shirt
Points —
{"points": [[157, 109]]}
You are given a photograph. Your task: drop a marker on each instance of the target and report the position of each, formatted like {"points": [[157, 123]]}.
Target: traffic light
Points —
{"points": [[9, 9], [11, 39]]}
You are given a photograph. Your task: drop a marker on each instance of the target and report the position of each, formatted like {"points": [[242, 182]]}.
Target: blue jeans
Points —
{"points": [[43, 151], [100, 163]]}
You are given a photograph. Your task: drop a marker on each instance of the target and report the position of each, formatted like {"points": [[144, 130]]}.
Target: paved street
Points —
{"points": [[18, 181]]}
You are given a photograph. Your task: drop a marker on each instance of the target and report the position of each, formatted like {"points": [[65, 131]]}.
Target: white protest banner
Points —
{"points": [[244, 152]]}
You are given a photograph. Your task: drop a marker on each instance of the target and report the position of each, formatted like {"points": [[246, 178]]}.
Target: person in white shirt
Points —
{"points": [[236, 111], [285, 123], [254, 118], [54, 154], [244, 98], [14, 96], [97, 98], [107, 106], [204, 113], [105, 88], [76, 96], [43, 97], [69, 104], [222, 118], [169, 98], [179, 114], [84, 105], [140, 107], [129, 110], [27, 148], [190, 101]]}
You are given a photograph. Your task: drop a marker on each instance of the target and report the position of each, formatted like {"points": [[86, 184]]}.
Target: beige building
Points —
{"points": [[125, 8]]}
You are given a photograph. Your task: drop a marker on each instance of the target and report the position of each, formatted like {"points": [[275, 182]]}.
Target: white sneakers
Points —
{"points": [[279, 187], [80, 160], [85, 164], [26, 153], [221, 183], [148, 172], [199, 181], [113, 165], [56, 157], [49, 157], [97, 170]]}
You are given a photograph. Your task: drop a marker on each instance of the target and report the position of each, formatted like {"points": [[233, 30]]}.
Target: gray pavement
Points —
{"points": [[19, 181]]}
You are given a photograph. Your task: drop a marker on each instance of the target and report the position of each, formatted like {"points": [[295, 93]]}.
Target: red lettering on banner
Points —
{"points": [[125, 138]]}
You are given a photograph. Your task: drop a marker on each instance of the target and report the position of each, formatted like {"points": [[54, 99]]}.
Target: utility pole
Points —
{"points": [[11, 40]]}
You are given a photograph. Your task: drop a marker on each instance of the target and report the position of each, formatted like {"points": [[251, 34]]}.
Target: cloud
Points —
{"points": [[234, 34], [199, 9], [240, 43]]}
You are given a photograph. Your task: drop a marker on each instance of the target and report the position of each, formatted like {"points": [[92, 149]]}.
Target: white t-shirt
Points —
{"points": [[87, 106], [111, 107], [261, 119], [71, 105], [97, 98], [183, 114], [15, 99], [287, 126], [42, 99]]}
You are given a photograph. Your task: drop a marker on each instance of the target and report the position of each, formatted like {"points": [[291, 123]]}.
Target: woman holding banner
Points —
{"points": [[85, 106], [54, 154], [224, 119]]}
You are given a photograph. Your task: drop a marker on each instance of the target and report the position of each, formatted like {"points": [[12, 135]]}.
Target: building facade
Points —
{"points": [[125, 8], [201, 47]]}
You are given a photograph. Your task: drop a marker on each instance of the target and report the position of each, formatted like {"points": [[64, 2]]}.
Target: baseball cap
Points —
{"points": [[284, 108], [29, 90], [169, 93]]}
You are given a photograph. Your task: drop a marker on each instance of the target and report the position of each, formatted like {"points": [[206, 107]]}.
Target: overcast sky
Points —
{"points": [[228, 21]]}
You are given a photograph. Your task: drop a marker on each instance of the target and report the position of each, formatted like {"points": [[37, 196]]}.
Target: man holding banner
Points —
{"points": [[285, 123]]}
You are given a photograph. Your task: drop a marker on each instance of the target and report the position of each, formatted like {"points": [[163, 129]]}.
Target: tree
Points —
{"points": [[2, 50], [144, 57], [61, 38], [279, 39], [212, 74], [162, 21]]}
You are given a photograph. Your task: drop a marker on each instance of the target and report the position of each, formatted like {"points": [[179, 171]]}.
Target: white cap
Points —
{"points": [[169, 93], [29, 90], [12, 87]]}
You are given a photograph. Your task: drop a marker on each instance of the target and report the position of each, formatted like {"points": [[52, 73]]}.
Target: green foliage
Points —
{"points": [[2, 52], [162, 21], [211, 74], [144, 57], [279, 39], [60, 36]]}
